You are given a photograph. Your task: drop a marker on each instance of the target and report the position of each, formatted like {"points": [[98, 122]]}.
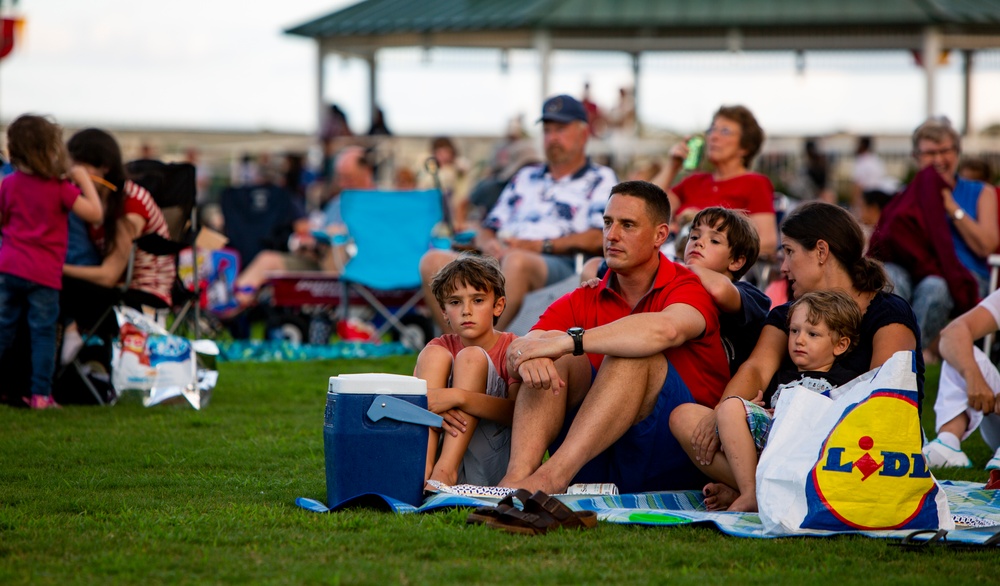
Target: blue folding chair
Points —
{"points": [[391, 231]]}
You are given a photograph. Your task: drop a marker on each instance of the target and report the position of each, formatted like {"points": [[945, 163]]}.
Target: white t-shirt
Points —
{"points": [[870, 175], [992, 305]]}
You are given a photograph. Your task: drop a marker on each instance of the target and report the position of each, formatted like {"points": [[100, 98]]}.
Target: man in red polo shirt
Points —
{"points": [[604, 366]]}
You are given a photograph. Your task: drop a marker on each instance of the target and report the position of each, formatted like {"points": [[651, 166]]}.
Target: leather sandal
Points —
{"points": [[541, 514], [564, 516], [523, 523], [483, 515]]}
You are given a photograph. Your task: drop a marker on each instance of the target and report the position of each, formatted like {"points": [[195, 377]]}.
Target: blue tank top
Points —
{"points": [[966, 194]]}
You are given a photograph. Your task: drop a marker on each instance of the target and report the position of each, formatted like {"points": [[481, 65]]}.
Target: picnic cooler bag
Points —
{"points": [[852, 462], [375, 437]]}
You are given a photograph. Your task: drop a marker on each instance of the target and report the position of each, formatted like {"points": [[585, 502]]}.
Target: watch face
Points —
{"points": [[577, 335]]}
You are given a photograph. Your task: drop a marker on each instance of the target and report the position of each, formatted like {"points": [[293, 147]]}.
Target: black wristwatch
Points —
{"points": [[577, 335], [547, 246]]}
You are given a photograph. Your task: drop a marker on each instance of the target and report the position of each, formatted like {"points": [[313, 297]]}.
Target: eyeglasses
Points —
{"points": [[721, 131], [937, 152]]}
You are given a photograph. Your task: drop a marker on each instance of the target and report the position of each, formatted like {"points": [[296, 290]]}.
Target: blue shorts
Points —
{"points": [[647, 458], [560, 266]]}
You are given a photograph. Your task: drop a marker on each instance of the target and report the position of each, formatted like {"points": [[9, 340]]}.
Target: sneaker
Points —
{"points": [[939, 455], [42, 402], [994, 463]]}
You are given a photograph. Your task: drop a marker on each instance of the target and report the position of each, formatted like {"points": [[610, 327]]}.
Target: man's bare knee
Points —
{"points": [[526, 266], [432, 261], [683, 416], [651, 368]]}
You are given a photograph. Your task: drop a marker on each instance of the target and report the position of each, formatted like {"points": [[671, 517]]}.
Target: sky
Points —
{"points": [[226, 64]]}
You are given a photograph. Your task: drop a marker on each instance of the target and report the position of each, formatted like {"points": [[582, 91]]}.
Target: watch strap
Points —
{"points": [[577, 335]]}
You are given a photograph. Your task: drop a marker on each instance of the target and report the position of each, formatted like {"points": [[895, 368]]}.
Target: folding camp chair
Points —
{"points": [[174, 189], [258, 217], [391, 231]]}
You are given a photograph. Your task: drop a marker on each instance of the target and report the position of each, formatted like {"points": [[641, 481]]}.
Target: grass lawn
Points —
{"points": [[171, 495]]}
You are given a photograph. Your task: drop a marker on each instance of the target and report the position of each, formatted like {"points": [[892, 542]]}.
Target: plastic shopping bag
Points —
{"points": [[850, 463], [163, 368]]}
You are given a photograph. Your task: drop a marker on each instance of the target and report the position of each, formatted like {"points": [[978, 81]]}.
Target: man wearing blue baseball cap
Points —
{"points": [[547, 213]]}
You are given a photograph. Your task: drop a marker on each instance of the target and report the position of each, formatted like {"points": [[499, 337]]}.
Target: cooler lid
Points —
{"points": [[377, 383]]}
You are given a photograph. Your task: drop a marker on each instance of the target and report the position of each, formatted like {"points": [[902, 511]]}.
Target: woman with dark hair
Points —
{"points": [[129, 212], [823, 247], [731, 142]]}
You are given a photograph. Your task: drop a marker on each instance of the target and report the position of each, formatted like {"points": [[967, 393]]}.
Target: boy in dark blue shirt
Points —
{"points": [[721, 248]]}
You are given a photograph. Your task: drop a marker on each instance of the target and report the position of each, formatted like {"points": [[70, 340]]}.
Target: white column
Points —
{"points": [[930, 54], [543, 44], [635, 90], [320, 85], [372, 82], [967, 127]]}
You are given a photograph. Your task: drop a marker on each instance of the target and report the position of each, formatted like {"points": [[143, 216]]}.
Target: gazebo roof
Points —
{"points": [[657, 25]]}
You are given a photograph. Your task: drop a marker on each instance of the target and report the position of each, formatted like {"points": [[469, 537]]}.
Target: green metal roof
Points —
{"points": [[388, 17]]}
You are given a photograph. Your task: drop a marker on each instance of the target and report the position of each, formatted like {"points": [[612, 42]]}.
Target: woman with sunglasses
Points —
{"points": [[731, 143]]}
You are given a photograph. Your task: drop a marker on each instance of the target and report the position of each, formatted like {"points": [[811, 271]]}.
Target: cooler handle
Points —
{"points": [[400, 410]]}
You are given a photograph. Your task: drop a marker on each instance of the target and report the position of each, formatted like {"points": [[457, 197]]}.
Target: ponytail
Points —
{"points": [[868, 275]]}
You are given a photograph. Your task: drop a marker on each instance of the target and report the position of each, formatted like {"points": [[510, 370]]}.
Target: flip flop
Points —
{"points": [[911, 544], [939, 537], [483, 515]]}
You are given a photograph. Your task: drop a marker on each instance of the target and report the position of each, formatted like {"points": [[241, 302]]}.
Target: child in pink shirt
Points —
{"points": [[35, 202]]}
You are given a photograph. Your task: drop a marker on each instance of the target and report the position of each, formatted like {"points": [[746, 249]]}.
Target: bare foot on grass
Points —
{"points": [[718, 496]]}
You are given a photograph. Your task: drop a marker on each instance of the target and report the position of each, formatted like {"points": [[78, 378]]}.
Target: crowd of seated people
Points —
{"points": [[644, 356]]}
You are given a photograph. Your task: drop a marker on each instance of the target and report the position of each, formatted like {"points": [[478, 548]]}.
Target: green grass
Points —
{"points": [[171, 495]]}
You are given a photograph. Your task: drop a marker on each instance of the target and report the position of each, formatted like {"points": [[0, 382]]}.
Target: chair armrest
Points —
{"points": [[158, 245]]}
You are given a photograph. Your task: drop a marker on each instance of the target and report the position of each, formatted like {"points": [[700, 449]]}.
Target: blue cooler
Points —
{"points": [[375, 437]]}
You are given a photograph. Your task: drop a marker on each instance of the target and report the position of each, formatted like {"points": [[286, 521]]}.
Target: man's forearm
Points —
{"points": [[643, 334], [588, 242]]}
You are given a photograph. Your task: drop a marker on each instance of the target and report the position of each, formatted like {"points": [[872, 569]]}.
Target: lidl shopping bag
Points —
{"points": [[850, 463]]}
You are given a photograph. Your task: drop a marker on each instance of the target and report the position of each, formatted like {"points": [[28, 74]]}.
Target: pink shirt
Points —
{"points": [[35, 227], [497, 354]]}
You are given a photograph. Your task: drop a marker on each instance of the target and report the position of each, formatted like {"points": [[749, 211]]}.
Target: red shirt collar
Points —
{"points": [[666, 271]]}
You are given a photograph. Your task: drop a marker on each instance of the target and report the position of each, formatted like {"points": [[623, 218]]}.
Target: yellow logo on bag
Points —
{"points": [[871, 473]]}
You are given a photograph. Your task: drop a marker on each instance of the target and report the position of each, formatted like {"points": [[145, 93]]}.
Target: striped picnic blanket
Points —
{"points": [[976, 511]]}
